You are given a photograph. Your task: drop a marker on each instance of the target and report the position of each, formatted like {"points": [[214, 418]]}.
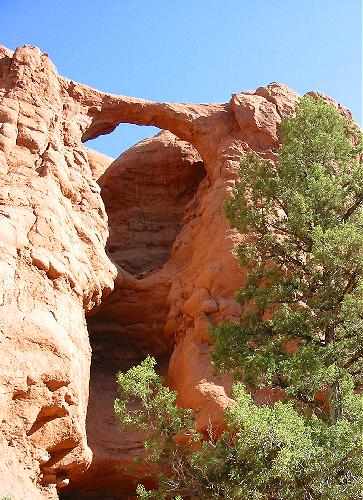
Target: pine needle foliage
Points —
{"points": [[301, 331]]}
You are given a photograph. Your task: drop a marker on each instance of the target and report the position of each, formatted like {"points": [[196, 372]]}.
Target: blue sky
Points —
{"points": [[194, 50]]}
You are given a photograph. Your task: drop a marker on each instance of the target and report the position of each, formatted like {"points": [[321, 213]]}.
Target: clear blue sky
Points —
{"points": [[194, 50]]}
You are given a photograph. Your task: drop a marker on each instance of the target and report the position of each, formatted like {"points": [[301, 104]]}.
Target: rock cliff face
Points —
{"points": [[53, 268], [167, 274]]}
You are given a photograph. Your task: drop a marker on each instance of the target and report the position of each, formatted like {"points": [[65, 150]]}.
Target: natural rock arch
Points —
{"points": [[171, 309], [54, 269]]}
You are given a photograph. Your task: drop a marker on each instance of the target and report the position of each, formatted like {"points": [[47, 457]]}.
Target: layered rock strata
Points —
{"points": [[169, 258]]}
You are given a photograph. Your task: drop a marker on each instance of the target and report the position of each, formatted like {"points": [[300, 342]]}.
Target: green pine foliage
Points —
{"points": [[302, 218], [301, 331], [145, 403]]}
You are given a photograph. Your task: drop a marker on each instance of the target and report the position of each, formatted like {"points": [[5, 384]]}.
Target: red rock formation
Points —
{"points": [[202, 269], [98, 162], [53, 267], [170, 243], [172, 307], [146, 192]]}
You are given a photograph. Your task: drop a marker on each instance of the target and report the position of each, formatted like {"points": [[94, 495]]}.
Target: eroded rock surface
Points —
{"points": [[53, 268], [166, 299], [174, 270], [145, 192], [149, 192]]}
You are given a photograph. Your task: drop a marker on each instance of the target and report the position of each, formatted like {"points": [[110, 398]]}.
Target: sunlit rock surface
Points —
{"points": [[169, 259]]}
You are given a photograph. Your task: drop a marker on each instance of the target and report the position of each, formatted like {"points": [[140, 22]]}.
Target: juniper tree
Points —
{"points": [[302, 221], [301, 330]]}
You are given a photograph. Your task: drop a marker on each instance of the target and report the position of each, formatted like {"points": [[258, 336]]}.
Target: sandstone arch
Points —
{"points": [[54, 269]]}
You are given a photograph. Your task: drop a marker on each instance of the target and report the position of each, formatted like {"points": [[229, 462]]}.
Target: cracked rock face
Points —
{"points": [[169, 259]]}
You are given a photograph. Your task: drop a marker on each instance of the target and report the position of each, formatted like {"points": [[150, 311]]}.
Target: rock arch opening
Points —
{"points": [[125, 136]]}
